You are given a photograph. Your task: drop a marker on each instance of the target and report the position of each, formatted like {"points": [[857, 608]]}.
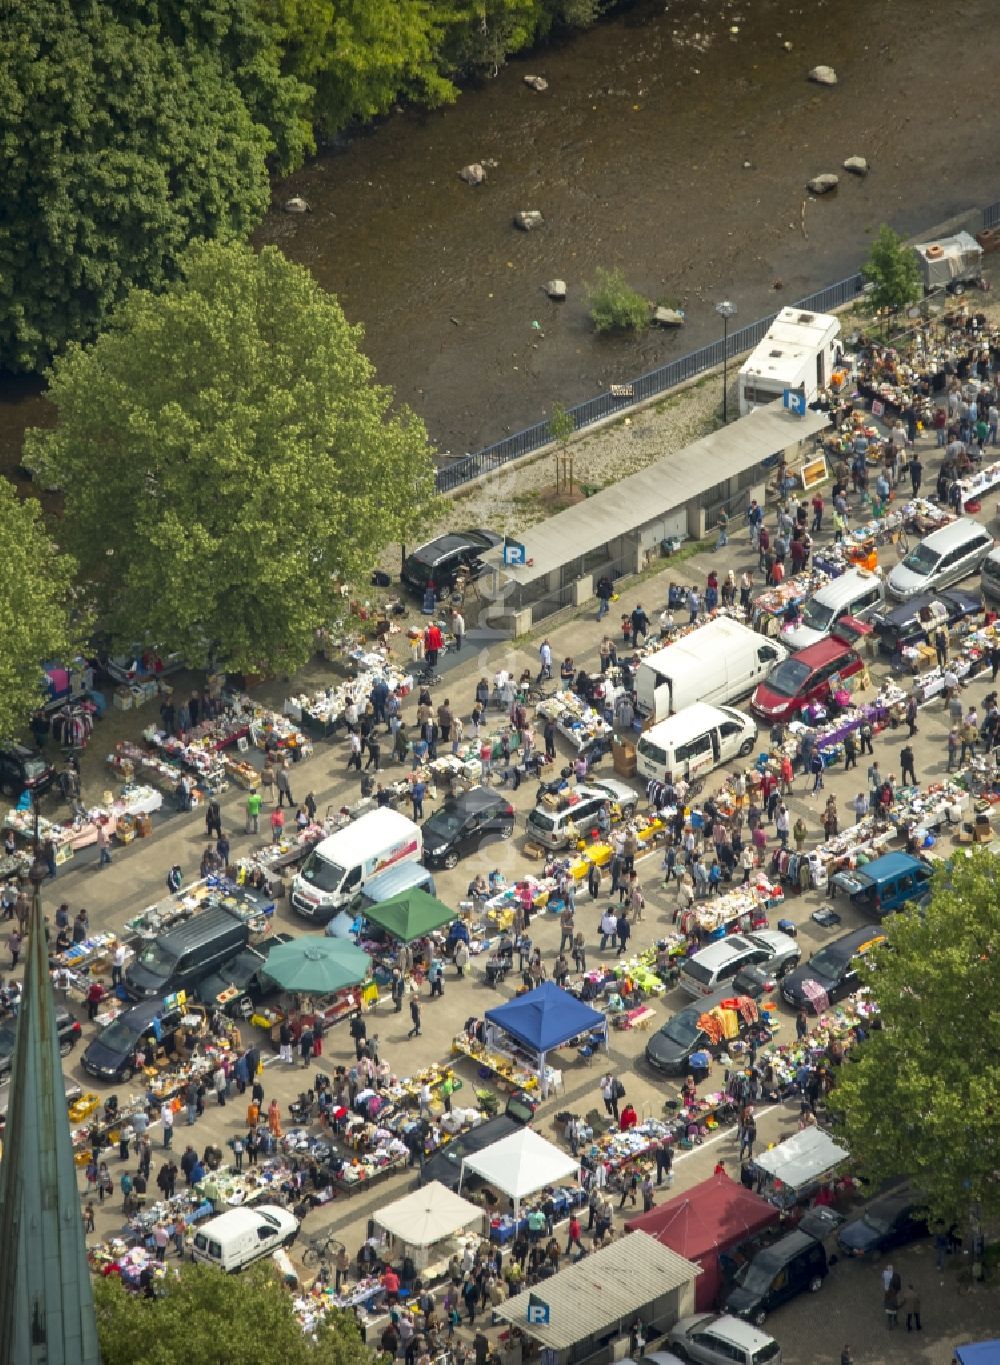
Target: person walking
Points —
{"points": [[605, 592], [284, 785], [167, 1123], [916, 471], [545, 661], [417, 793], [850, 752], [415, 1016], [254, 803], [913, 1309], [609, 1093], [624, 932], [103, 843], [665, 1162], [907, 770]]}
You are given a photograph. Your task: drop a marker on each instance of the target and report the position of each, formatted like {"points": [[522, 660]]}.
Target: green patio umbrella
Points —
{"points": [[317, 966], [410, 915]]}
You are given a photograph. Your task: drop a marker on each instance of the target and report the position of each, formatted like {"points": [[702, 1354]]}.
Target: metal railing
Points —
{"points": [[621, 397]]}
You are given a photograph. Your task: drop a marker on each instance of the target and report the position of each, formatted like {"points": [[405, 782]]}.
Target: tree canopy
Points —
{"points": [[37, 607], [128, 128], [921, 1100], [893, 273], [204, 1315], [226, 461], [361, 56]]}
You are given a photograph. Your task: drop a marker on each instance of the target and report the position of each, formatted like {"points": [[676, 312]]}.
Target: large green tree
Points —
{"points": [[226, 460], [37, 607], [127, 128], [202, 1315], [923, 1099], [892, 272]]}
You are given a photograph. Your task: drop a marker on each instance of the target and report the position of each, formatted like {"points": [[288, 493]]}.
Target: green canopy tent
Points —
{"points": [[317, 966], [410, 915]]}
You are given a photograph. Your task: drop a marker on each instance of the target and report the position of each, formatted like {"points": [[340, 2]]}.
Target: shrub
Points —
{"points": [[614, 305]]}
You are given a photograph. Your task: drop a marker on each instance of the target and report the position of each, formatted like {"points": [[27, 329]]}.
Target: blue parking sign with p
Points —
{"points": [[795, 401], [538, 1311], [514, 553]]}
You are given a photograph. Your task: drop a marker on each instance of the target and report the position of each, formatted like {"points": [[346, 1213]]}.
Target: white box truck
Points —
{"points": [[696, 740], [334, 874], [720, 662], [798, 352]]}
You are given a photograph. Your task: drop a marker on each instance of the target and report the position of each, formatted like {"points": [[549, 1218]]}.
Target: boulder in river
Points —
{"points": [[668, 317], [538, 83], [528, 219], [474, 174], [857, 165], [823, 184], [823, 75], [556, 289], [296, 205]]}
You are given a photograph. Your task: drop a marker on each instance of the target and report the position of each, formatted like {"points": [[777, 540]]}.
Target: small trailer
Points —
{"points": [[951, 263]]}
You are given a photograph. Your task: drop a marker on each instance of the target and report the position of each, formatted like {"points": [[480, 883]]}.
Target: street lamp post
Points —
{"points": [[726, 310]]}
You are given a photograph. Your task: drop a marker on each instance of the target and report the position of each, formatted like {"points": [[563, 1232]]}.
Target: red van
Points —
{"points": [[811, 674]]}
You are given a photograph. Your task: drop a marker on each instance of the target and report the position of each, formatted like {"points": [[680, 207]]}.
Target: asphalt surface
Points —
{"points": [[813, 1329]]}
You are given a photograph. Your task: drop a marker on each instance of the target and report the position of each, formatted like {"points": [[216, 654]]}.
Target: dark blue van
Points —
{"points": [[886, 884]]}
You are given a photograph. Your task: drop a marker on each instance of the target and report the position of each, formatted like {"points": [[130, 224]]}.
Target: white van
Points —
{"points": [[857, 593], [239, 1237], [944, 557], [335, 872], [695, 741], [719, 662], [989, 574]]}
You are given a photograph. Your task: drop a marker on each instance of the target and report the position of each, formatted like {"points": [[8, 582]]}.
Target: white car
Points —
{"points": [[720, 1339], [946, 556], [713, 967]]}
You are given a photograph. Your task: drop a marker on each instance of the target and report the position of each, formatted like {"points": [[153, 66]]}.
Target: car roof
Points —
{"points": [[784, 1249], [815, 656], [722, 950], [892, 1201], [448, 544], [848, 944], [890, 865], [476, 798]]}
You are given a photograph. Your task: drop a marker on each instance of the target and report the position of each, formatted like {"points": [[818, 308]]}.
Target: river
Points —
{"points": [[635, 156]]}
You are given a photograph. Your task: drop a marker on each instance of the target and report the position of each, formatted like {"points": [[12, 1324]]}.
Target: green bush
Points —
{"points": [[614, 305]]}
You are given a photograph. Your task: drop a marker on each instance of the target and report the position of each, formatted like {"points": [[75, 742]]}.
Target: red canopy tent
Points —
{"points": [[705, 1221]]}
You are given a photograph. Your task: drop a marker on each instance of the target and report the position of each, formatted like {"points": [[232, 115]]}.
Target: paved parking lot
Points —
{"points": [[849, 1308]]}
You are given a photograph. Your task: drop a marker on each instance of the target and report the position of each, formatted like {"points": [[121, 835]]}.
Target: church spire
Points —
{"points": [[46, 1298]]}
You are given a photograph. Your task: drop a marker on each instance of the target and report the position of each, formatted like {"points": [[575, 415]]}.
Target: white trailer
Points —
{"points": [[798, 353]]}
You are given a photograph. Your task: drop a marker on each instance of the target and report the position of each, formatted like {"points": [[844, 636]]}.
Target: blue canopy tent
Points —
{"points": [[978, 1353], [546, 1018]]}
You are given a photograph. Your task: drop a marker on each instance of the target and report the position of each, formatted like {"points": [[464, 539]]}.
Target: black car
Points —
{"points": [[898, 627], [831, 973], [776, 1274], [24, 769], [111, 1054], [670, 1049], [464, 824], [446, 1165], [440, 561], [247, 975], [67, 1028], [890, 1220]]}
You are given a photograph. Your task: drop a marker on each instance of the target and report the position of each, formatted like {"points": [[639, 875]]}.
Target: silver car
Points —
{"points": [[720, 1339], [711, 968]]}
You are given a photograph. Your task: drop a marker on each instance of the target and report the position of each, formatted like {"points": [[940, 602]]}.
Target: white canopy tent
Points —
{"points": [[799, 1163], [521, 1164], [428, 1215]]}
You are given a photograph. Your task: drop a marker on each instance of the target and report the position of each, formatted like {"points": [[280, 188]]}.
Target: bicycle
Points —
{"points": [[322, 1249]]}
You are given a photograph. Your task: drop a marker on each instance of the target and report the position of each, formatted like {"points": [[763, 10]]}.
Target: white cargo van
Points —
{"points": [[719, 662], [335, 872], [239, 1237], [858, 593], [694, 742]]}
